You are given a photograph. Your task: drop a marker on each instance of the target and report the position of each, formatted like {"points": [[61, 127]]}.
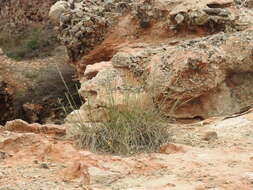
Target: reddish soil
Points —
{"points": [[213, 154], [128, 33]]}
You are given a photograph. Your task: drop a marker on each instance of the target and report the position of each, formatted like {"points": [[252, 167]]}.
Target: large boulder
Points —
{"points": [[189, 58], [205, 77], [57, 10]]}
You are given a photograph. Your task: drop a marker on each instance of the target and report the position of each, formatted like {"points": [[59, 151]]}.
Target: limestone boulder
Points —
{"points": [[57, 10], [188, 58], [204, 77]]}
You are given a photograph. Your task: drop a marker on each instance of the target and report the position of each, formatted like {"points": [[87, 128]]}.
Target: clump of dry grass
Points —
{"points": [[128, 129], [134, 126]]}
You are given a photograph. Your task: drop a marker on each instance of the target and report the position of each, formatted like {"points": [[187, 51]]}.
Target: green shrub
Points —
{"points": [[33, 44], [17, 54], [29, 43]]}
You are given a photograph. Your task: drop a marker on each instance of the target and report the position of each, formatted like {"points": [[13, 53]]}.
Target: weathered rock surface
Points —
{"points": [[6, 102], [195, 57], [85, 24], [21, 126], [36, 159], [57, 9]]}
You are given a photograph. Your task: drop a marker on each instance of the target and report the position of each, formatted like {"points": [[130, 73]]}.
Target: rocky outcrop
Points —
{"points": [[84, 24], [191, 58], [6, 102], [204, 77], [56, 10], [21, 126]]}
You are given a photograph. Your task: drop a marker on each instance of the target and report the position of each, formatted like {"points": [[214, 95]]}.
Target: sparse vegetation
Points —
{"points": [[128, 129], [27, 43]]}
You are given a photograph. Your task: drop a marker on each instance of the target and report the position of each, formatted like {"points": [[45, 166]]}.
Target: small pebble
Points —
{"points": [[44, 165], [211, 135]]}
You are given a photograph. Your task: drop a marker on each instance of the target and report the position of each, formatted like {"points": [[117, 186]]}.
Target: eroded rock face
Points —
{"points": [[84, 24], [21, 126], [6, 107], [204, 77], [195, 57]]}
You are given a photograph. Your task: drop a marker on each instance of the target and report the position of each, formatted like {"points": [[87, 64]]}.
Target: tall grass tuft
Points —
{"points": [[134, 126], [127, 129]]}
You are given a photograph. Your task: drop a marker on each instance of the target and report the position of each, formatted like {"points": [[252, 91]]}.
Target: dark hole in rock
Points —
{"points": [[198, 118], [189, 120], [213, 27], [217, 5], [93, 93], [91, 75], [144, 24]]}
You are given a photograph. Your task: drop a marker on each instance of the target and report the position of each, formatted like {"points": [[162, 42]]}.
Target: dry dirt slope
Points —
{"points": [[214, 154]]}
